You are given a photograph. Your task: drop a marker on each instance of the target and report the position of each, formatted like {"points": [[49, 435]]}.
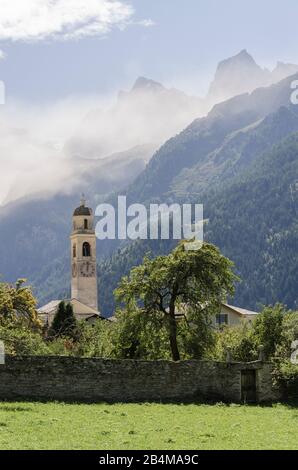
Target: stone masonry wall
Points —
{"points": [[94, 380]]}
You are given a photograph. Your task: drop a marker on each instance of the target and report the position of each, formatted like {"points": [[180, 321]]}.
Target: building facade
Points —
{"points": [[83, 257]]}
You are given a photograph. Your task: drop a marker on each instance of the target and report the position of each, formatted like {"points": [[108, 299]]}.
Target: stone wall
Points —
{"points": [[94, 380]]}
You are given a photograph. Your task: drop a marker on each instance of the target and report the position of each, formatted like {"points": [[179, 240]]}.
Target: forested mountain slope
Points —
{"points": [[252, 216]]}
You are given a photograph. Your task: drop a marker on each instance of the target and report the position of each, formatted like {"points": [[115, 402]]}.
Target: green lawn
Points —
{"points": [[146, 426]]}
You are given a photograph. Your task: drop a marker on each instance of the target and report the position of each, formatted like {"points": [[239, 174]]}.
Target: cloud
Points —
{"points": [[146, 23], [2, 55], [49, 147], [37, 20]]}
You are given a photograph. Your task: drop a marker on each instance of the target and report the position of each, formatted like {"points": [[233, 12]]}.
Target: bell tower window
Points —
{"points": [[74, 251], [86, 249], [85, 224]]}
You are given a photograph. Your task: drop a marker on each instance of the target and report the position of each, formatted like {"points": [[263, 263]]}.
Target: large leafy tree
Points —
{"points": [[194, 281]]}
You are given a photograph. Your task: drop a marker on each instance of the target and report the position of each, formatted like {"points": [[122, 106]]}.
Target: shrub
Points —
{"points": [[17, 303], [268, 329], [239, 340], [286, 376], [20, 341], [93, 340]]}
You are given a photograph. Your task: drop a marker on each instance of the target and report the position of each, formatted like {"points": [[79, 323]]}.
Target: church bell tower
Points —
{"points": [[83, 257]]}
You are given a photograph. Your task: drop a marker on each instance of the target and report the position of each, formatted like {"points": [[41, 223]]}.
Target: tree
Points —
{"points": [[137, 336], [197, 280], [17, 303], [64, 322], [239, 340], [268, 328]]}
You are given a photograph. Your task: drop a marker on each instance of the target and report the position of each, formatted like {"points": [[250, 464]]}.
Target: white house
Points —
{"points": [[232, 316]]}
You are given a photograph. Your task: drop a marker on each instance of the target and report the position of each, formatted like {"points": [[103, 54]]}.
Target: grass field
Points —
{"points": [[146, 426]]}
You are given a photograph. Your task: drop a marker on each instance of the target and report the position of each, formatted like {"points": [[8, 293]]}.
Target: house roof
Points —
{"points": [[79, 308], [49, 307], [240, 311]]}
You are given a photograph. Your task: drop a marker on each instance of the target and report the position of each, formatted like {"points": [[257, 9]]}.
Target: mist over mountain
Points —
{"points": [[203, 136], [148, 114], [42, 147]]}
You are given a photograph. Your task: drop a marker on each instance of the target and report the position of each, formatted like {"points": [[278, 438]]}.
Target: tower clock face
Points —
{"points": [[87, 269], [74, 270]]}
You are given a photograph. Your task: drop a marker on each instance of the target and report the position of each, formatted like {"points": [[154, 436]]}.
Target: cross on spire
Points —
{"points": [[83, 200]]}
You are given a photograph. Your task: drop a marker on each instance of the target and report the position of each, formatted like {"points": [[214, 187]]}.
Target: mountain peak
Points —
{"points": [[143, 83], [236, 75], [245, 54], [242, 58]]}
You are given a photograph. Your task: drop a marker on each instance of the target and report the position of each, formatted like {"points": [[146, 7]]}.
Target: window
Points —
{"points": [[86, 249], [222, 319], [74, 251], [85, 224]]}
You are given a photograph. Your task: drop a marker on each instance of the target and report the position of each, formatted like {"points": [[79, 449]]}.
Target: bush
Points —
{"points": [[93, 340], [289, 334], [20, 341], [239, 340], [18, 303], [286, 376], [268, 329]]}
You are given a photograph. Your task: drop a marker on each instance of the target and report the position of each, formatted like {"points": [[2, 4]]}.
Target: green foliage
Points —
{"points": [[286, 375], [137, 335], [196, 337], [200, 279], [289, 334], [239, 340], [93, 340], [268, 329], [64, 323], [89, 341], [17, 303], [21, 341]]}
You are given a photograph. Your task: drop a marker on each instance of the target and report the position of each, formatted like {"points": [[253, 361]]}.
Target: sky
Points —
{"points": [[62, 59], [51, 50]]}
